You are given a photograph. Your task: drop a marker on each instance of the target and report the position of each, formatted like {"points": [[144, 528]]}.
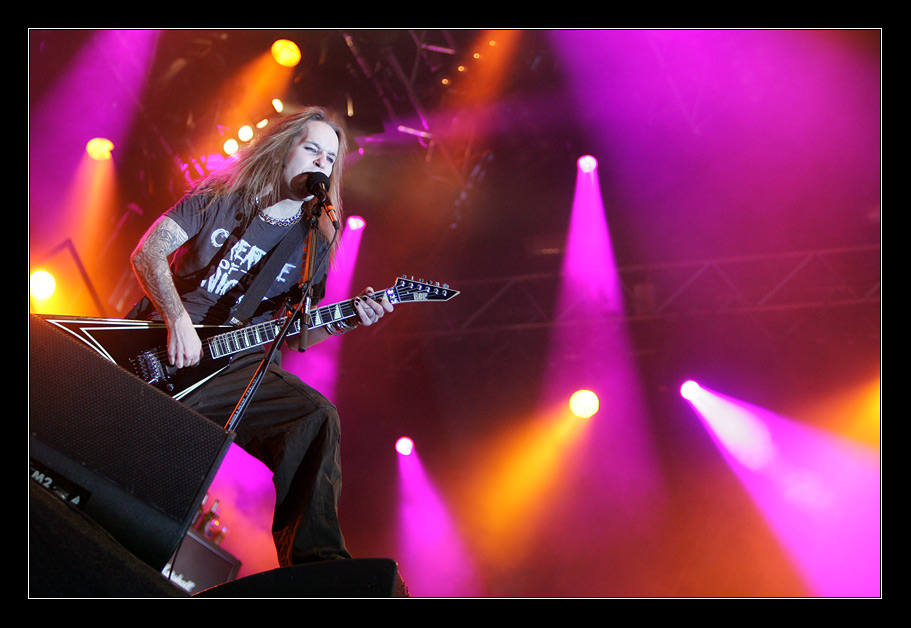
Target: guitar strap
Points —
{"points": [[265, 276], [253, 295]]}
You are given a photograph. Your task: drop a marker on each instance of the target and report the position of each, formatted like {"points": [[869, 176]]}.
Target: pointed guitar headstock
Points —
{"points": [[416, 290]]}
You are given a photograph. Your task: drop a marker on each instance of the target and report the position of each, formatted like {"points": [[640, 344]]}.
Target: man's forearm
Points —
{"points": [[150, 263]]}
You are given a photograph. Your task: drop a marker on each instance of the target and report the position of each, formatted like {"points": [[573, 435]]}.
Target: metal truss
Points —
{"points": [[407, 80], [783, 284]]}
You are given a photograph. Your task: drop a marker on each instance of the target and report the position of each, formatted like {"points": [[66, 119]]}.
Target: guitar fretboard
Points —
{"points": [[261, 333]]}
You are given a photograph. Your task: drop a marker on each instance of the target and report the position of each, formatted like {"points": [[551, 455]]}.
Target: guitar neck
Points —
{"points": [[405, 291], [263, 333]]}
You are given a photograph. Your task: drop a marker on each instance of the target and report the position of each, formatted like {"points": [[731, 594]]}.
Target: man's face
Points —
{"points": [[314, 151]]}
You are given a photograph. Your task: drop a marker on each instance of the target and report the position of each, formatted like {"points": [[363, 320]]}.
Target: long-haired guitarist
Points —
{"points": [[220, 234]]}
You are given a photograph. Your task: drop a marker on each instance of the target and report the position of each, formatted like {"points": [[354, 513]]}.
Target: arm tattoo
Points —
{"points": [[150, 262]]}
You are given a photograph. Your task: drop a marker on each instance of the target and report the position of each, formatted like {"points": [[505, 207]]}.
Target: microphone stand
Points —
{"points": [[310, 266], [302, 309]]}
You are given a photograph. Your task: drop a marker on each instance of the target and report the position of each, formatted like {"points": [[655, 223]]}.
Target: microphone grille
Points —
{"points": [[317, 180]]}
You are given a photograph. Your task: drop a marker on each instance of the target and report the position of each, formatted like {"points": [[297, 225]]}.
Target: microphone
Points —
{"points": [[318, 186]]}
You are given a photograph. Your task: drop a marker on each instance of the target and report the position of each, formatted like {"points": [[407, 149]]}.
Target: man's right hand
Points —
{"points": [[184, 345]]}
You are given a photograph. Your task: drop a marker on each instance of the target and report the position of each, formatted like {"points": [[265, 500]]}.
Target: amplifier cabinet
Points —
{"points": [[200, 564]]}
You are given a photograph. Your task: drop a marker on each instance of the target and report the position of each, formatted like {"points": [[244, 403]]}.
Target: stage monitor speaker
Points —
{"points": [[354, 578], [127, 455]]}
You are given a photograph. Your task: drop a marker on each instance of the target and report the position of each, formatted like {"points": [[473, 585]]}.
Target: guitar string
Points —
{"points": [[400, 292], [238, 335], [162, 353]]}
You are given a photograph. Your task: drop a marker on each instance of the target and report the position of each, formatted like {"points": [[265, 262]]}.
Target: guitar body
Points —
{"points": [[140, 347]]}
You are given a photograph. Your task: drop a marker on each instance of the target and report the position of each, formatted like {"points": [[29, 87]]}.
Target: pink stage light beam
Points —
{"points": [[819, 493], [434, 561], [97, 96], [590, 349]]}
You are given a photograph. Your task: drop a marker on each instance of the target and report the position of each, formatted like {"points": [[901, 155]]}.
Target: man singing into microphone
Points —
{"points": [[224, 231]]}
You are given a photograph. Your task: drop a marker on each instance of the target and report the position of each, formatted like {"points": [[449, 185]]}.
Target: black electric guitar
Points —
{"points": [[141, 346]]}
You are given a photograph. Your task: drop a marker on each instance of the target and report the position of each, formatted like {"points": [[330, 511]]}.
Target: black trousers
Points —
{"points": [[295, 431]]}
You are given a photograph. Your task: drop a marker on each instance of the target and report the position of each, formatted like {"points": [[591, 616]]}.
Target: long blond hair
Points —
{"points": [[254, 175]]}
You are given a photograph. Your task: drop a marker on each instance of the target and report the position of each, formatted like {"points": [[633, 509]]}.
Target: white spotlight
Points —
{"points": [[245, 133], [690, 390], [584, 403], [404, 446], [587, 163]]}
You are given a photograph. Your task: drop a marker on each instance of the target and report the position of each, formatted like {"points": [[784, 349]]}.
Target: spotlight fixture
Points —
{"points": [[99, 148], [587, 163], [42, 285], [404, 446], [245, 133], [584, 403], [690, 390], [286, 53]]}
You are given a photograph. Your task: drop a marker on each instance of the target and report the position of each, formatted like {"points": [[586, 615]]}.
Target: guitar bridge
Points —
{"points": [[148, 367]]}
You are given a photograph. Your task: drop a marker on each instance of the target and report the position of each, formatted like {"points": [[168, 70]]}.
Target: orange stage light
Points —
{"points": [[286, 53], [519, 474], [99, 148], [42, 285]]}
